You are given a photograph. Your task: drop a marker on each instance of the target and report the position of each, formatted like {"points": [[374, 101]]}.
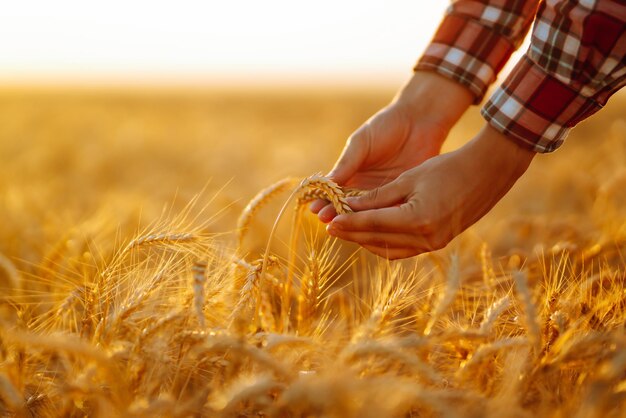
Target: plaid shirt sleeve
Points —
{"points": [[576, 61], [475, 40]]}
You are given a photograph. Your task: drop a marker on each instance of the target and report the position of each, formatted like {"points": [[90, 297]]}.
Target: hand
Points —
{"points": [[424, 208], [399, 137]]}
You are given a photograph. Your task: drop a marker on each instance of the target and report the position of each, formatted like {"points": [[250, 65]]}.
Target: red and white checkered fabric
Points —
{"points": [[576, 61]]}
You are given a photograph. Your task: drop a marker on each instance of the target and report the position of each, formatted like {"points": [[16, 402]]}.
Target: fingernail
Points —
{"points": [[330, 228], [338, 221]]}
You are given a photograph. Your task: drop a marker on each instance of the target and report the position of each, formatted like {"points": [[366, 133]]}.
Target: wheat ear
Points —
{"points": [[78, 294], [133, 302], [199, 277], [446, 299], [307, 196], [530, 310], [493, 313], [309, 291], [485, 350], [161, 238], [251, 288], [161, 323], [330, 190]]}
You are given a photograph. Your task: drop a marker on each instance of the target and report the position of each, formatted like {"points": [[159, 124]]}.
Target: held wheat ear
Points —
{"points": [[318, 185], [309, 195]]}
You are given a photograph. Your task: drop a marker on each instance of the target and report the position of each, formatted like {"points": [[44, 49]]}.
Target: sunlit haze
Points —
{"points": [[240, 41]]}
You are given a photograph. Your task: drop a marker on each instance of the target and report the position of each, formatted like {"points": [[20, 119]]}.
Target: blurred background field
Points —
{"points": [[70, 156]]}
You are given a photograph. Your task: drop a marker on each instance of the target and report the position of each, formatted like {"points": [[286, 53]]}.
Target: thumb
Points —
{"points": [[352, 157], [382, 197]]}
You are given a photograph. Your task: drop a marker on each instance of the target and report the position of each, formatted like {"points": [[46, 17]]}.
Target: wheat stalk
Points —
{"points": [[336, 197], [257, 202]]}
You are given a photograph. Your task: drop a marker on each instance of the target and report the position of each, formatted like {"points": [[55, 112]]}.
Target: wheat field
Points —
{"points": [[145, 270]]}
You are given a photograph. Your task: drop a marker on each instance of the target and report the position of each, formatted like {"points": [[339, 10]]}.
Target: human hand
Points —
{"points": [[427, 206], [402, 135]]}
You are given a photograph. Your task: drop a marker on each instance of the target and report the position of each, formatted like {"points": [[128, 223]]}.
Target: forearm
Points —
{"points": [[491, 151], [432, 96], [485, 170]]}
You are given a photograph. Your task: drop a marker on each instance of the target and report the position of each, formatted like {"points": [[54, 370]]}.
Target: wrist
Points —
{"points": [[433, 96], [506, 155]]}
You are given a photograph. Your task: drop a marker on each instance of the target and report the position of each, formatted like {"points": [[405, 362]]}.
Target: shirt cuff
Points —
{"points": [[466, 52], [535, 109]]}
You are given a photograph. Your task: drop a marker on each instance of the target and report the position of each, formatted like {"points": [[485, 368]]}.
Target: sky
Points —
{"points": [[226, 41], [240, 41]]}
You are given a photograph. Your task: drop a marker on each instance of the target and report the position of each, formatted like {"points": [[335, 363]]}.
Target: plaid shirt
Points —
{"points": [[576, 61]]}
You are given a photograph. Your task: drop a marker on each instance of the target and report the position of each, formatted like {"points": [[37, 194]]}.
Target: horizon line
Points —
{"points": [[214, 81]]}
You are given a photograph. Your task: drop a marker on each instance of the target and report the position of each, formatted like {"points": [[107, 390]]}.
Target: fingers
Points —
{"points": [[393, 219], [327, 214], [317, 205], [391, 232], [352, 157], [388, 195], [324, 210], [376, 239]]}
